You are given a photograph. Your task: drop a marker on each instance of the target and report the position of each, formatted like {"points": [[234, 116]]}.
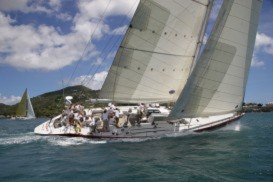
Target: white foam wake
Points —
{"points": [[19, 139], [64, 141], [25, 138], [234, 127]]}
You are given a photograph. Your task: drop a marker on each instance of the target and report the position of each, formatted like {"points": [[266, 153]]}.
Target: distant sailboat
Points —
{"points": [[152, 66], [25, 110]]}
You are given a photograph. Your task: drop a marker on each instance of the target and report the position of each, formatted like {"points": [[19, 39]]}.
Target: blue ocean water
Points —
{"points": [[242, 151]]}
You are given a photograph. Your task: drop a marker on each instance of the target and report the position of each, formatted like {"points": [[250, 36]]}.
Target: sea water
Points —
{"points": [[242, 151]]}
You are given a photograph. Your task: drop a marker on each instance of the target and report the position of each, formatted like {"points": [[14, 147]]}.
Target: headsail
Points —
{"points": [[217, 83], [22, 106], [159, 47], [30, 111]]}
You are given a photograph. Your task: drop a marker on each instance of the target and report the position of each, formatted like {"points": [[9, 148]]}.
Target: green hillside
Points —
{"points": [[52, 103], [7, 110]]}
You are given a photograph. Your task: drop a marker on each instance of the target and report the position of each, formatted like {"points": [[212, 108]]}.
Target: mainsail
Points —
{"points": [[217, 83], [25, 108], [157, 52]]}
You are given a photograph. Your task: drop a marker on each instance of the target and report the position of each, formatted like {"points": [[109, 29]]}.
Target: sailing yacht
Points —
{"points": [[159, 60], [25, 110]]}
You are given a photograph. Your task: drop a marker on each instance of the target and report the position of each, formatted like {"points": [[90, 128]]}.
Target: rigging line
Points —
{"points": [[168, 54], [90, 39], [106, 55], [98, 67]]}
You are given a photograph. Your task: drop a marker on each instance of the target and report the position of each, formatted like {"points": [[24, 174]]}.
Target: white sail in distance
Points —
{"points": [[157, 52], [30, 111], [217, 83]]}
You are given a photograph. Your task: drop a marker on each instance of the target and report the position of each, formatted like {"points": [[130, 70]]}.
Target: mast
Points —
{"points": [[202, 32], [218, 81], [159, 47]]}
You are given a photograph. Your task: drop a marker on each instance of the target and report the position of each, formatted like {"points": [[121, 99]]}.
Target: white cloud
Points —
{"points": [[64, 16], [41, 48], [264, 43], [256, 63], [44, 47], [119, 30], [9, 100], [116, 7], [28, 6], [215, 9], [55, 4], [93, 82], [97, 62], [205, 39]]}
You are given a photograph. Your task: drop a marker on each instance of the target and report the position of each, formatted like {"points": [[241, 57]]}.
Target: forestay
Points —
{"points": [[156, 54], [217, 83]]}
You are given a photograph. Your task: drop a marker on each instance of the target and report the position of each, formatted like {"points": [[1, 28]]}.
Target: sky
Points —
{"points": [[49, 44]]}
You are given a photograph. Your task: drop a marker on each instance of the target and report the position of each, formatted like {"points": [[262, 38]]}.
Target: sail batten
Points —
{"points": [[157, 52], [217, 83]]}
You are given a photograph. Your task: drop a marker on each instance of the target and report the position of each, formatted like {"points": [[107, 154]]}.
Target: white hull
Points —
{"points": [[144, 130]]}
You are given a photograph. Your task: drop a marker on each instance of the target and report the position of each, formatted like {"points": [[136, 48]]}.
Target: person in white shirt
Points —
{"points": [[105, 120]]}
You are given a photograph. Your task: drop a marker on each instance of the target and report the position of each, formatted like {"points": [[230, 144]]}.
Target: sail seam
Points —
{"points": [[168, 54], [252, 10], [161, 84], [184, 8], [186, 39], [217, 81], [139, 61], [237, 66], [219, 91], [250, 22], [213, 99], [223, 72], [193, 106]]}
